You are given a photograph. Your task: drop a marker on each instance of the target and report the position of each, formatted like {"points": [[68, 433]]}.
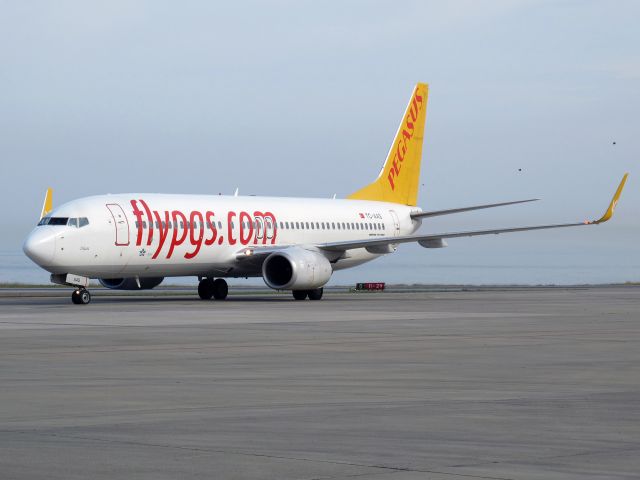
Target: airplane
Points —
{"points": [[133, 241]]}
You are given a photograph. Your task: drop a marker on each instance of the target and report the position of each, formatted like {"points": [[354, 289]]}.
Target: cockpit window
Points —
{"points": [[71, 222]]}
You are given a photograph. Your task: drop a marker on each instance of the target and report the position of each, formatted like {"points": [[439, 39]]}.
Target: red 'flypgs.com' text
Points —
{"points": [[200, 228]]}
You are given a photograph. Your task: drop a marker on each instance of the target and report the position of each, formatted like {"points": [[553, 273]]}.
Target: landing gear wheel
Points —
{"points": [[205, 289], [315, 294], [85, 297], [220, 289], [81, 297], [299, 294]]}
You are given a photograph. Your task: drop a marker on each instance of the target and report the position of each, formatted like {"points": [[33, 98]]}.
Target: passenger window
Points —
{"points": [[317, 225], [333, 225]]}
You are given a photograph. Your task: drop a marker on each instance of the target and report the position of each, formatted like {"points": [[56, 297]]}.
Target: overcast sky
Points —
{"points": [[302, 98]]}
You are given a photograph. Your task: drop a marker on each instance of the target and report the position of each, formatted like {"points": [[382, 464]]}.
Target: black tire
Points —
{"points": [[315, 294], [220, 289], [299, 294], [205, 289], [75, 297], [85, 297]]}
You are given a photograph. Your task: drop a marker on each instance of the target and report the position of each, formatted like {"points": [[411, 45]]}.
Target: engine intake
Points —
{"points": [[296, 269], [146, 283]]}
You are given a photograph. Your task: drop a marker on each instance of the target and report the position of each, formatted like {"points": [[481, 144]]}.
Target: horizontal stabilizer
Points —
{"points": [[436, 213]]}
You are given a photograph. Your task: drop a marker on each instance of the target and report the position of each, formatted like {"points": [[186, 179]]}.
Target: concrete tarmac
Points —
{"points": [[502, 384]]}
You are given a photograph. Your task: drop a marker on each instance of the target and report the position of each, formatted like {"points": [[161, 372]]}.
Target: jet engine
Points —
{"points": [[296, 269], [146, 283]]}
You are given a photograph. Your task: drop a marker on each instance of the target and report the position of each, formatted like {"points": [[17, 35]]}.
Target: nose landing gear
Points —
{"points": [[208, 288], [81, 296]]}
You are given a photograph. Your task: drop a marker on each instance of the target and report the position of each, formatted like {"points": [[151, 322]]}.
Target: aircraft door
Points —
{"points": [[121, 224], [396, 223]]}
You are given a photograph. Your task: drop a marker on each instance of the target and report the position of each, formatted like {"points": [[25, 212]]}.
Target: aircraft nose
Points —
{"points": [[40, 247]]}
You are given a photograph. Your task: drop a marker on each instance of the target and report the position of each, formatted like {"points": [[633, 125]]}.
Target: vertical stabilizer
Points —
{"points": [[400, 176], [47, 206]]}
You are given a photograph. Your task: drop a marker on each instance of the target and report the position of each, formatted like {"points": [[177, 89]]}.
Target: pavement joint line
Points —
{"points": [[254, 454]]}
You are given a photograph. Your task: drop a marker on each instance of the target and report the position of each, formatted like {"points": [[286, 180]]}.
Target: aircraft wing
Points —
{"points": [[377, 245], [435, 238], [380, 242], [450, 211]]}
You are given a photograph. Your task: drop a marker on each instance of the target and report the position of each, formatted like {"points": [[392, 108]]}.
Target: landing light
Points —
{"points": [[247, 252]]}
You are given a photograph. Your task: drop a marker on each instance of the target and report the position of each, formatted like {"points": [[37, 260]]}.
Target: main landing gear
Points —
{"points": [[208, 288], [81, 296], [315, 294]]}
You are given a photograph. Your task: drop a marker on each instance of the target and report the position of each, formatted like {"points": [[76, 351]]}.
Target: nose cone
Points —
{"points": [[40, 246]]}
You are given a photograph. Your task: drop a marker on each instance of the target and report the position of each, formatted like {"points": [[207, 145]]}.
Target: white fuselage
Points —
{"points": [[158, 235]]}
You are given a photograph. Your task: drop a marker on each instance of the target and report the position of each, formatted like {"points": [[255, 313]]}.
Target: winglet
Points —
{"points": [[614, 201], [48, 203]]}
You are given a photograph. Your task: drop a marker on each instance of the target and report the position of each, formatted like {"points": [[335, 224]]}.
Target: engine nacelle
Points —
{"points": [[296, 269], [146, 283]]}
